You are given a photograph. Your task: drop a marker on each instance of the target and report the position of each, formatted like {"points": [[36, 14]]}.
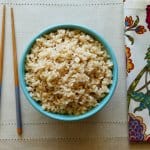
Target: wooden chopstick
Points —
{"points": [[2, 48], [17, 92]]}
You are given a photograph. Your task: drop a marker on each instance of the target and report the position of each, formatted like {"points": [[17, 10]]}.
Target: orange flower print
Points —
{"points": [[140, 30], [128, 21], [132, 25], [128, 53], [148, 16], [130, 65]]}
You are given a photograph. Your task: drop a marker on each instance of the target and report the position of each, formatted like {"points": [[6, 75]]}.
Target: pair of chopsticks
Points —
{"points": [[16, 80]]}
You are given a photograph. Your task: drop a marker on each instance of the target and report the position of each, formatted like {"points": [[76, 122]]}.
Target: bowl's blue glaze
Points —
{"points": [[69, 117]]}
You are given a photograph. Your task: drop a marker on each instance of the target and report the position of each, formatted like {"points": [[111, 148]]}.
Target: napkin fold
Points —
{"points": [[137, 46]]}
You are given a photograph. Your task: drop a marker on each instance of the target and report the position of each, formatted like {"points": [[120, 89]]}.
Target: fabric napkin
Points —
{"points": [[137, 45]]}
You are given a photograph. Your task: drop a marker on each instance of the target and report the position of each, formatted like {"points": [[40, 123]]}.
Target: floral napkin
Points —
{"points": [[137, 45]]}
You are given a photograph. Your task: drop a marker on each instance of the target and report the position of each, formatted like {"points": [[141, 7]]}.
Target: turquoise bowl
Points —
{"points": [[101, 104]]}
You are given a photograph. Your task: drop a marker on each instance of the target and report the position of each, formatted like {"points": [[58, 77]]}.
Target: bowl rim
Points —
{"points": [[92, 111]]}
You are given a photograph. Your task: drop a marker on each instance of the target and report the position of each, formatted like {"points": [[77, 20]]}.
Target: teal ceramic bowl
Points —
{"points": [[94, 110]]}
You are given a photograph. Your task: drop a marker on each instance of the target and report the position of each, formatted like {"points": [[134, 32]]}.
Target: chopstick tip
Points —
{"points": [[4, 7], [19, 131]]}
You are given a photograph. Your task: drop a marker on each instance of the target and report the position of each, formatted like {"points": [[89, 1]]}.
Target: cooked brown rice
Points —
{"points": [[68, 72]]}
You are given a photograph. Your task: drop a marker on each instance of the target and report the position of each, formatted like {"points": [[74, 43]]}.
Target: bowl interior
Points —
{"points": [[105, 100]]}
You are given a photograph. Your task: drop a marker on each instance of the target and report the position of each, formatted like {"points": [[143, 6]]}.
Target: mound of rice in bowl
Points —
{"points": [[68, 72]]}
